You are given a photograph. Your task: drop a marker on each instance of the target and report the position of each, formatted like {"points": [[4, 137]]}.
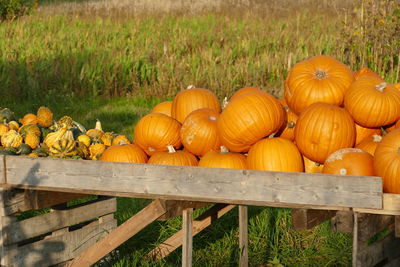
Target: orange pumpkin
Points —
{"points": [[370, 143], [373, 103], [44, 116], [349, 161], [287, 129], [163, 107], [29, 119], [387, 161], [189, 100], [173, 157], [365, 72], [283, 102], [120, 140], [199, 132], [244, 91], [275, 154], [249, 118], [155, 131], [322, 129], [124, 153], [319, 79], [392, 126], [364, 132], [312, 166], [223, 159]]}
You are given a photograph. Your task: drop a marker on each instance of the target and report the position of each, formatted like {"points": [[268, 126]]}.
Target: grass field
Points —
{"points": [[114, 60]]}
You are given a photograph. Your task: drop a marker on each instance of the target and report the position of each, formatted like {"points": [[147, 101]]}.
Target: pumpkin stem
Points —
{"points": [[191, 87], [317, 164], [171, 149], [342, 171], [212, 118], [225, 102], [380, 87], [320, 74], [98, 125], [291, 124], [224, 149], [271, 135], [376, 138]]}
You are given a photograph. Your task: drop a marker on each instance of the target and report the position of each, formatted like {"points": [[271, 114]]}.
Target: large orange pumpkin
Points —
{"points": [[163, 107], [370, 143], [275, 154], [349, 161], [319, 79], [365, 72], [199, 132], [155, 131], [387, 161], [124, 153], [364, 132], [189, 100], [312, 166], [173, 157], [223, 159], [372, 102], [322, 129], [249, 118]]}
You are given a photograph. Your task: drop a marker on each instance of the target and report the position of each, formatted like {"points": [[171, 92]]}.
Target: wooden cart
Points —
{"points": [[354, 204]]}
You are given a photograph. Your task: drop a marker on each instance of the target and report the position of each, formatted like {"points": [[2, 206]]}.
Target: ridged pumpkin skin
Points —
{"points": [[163, 107], [124, 153], [287, 129], [387, 162], [372, 102], [370, 143], [275, 154], [244, 91], [29, 119], [364, 132], [32, 140], [319, 79], [311, 166], [11, 139], [155, 131], [322, 129], [249, 118], [223, 159], [44, 117], [350, 161], [172, 157], [189, 100], [365, 72], [199, 132]]}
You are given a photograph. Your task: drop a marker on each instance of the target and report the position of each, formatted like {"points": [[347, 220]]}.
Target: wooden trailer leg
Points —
{"points": [[2, 250], [397, 226], [119, 235], [187, 244], [355, 239], [243, 236]]}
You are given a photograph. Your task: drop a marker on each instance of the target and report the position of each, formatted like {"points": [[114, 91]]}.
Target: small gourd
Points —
{"points": [[29, 119], [97, 132], [32, 140], [63, 148], [44, 117], [85, 139], [11, 139]]}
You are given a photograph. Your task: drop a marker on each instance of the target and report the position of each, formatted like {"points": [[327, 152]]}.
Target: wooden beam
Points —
{"points": [[391, 206], [243, 237], [175, 207], [3, 179], [216, 185], [202, 222], [115, 238], [187, 244], [306, 218]]}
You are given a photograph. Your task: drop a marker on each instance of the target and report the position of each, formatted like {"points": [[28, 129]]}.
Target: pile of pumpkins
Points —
{"points": [[38, 135], [331, 120]]}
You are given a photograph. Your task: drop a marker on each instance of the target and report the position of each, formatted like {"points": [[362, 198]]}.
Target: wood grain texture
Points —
{"points": [[60, 248], [2, 169], [371, 224], [187, 243], [175, 208], [216, 185], [391, 206], [306, 219], [243, 236], [119, 235], [343, 222], [57, 219], [199, 224], [397, 226]]}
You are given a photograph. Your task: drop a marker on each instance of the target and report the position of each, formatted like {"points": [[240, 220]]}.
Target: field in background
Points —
{"points": [[115, 59]]}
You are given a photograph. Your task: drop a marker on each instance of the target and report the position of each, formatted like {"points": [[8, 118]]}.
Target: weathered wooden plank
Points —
{"points": [[343, 222], [187, 243], [2, 170], [306, 218], [42, 199], [371, 224], [243, 237], [2, 212], [384, 250], [194, 183], [57, 219], [175, 207], [60, 248], [115, 238], [397, 226], [391, 206], [202, 222], [356, 244]]}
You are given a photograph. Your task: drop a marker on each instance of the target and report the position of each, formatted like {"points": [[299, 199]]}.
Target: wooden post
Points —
{"points": [[243, 236], [397, 226], [116, 237], [308, 218], [2, 250], [355, 239], [187, 244]]}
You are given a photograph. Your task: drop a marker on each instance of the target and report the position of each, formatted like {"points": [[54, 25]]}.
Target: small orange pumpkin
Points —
{"points": [[163, 107], [199, 132], [120, 140], [223, 159], [287, 129], [29, 119], [244, 91], [124, 153], [365, 72], [44, 116], [349, 161], [370, 143], [173, 157], [312, 166], [364, 132]]}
